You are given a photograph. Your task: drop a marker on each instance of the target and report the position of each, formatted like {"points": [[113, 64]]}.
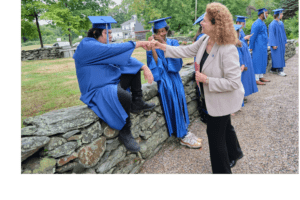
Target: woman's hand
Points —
{"points": [[147, 74], [200, 77], [157, 45], [242, 68]]}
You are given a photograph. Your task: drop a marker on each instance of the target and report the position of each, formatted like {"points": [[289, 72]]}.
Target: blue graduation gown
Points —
{"points": [[98, 68], [277, 37], [248, 77], [170, 89], [242, 35], [259, 46]]}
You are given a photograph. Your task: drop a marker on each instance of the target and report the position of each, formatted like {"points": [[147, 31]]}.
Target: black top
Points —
{"points": [[204, 57]]}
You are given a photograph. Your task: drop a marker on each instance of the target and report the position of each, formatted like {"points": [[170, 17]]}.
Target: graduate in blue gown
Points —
{"points": [[103, 71], [199, 32], [259, 46], [241, 20], [277, 42], [170, 87], [248, 76]]}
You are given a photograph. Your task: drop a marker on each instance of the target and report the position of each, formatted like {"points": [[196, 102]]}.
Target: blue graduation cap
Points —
{"points": [[199, 19], [262, 10], [240, 18], [102, 22], [237, 26], [160, 23], [278, 11]]}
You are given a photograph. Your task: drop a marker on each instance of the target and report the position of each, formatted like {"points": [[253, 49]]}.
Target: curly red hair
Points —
{"points": [[224, 32]]}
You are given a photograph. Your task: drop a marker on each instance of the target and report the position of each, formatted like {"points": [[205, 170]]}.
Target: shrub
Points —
{"points": [[291, 27]]}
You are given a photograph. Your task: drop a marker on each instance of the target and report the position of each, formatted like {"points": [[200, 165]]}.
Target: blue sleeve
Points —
{"points": [[273, 40], [92, 52], [174, 64], [285, 38], [240, 56], [254, 29], [155, 68], [132, 67]]}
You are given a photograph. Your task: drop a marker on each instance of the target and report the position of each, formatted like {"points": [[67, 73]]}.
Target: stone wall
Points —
{"points": [[75, 140], [47, 53]]}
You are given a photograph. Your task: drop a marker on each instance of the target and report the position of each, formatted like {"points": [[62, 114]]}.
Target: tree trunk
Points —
{"points": [[70, 38], [38, 27]]}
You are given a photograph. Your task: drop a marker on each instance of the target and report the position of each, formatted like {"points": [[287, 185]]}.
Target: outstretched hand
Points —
{"points": [[148, 74]]}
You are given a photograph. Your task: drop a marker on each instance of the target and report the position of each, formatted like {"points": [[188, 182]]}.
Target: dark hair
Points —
{"points": [[276, 16], [95, 33], [198, 33], [156, 30]]}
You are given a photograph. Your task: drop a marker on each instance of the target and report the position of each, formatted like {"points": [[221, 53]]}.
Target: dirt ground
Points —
{"points": [[267, 129]]}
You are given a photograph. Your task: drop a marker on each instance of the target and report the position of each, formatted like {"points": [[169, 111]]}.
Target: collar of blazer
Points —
{"points": [[212, 54]]}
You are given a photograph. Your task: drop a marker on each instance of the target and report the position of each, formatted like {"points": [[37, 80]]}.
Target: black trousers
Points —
{"points": [[134, 82], [223, 143]]}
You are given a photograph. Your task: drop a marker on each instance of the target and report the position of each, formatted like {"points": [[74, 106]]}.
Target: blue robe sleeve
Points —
{"points": [[255, 29], [242, 35], [132, 67], [241, 56], [174, 64], [273, 40], [155, 68], [285, 38], [92, 52]]}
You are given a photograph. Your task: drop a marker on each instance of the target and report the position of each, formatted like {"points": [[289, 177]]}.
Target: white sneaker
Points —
{"points": [[190, 134], [281, 74], [190, 141]]}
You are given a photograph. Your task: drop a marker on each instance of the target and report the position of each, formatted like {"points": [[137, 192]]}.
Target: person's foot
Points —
{"points": [[190, 134], [190, 142], [273, 72], [128, 141], [139, 105], [260, 83], [264, 80], [281, 74], [245, 100], [233, 162]]}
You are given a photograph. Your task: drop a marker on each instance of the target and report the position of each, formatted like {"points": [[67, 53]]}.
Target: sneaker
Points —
{"points": [[281, 74], [190, 134], [190, 142]]}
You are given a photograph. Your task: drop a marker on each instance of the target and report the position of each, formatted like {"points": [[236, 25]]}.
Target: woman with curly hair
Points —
{"points": [[219, 75]]}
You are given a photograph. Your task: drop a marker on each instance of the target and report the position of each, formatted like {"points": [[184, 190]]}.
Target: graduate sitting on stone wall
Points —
{"points": [[104, 72]]}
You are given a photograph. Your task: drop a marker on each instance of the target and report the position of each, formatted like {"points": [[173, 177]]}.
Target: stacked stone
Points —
{"points": [[40, 54], [182, 38], [75, 140]]}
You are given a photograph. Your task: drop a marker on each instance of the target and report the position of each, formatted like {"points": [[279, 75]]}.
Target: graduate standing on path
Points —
{"points": [[241, 20], [104, 72], [170, 87], [248, 76], [259, 46], [277, 42]]}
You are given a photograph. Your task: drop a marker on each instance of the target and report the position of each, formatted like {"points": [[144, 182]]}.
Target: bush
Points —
{"points": [[148, 34], [291, 27]]}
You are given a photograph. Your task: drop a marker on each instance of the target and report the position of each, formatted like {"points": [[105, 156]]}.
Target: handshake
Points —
{"points": [[149, 45]]}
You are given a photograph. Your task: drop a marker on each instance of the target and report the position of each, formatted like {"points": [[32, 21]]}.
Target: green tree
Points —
{"points": [[72, 15], [121, 13], [31, 10]]}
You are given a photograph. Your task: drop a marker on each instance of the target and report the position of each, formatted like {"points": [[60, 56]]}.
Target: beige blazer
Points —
{"points": [[225, 92]]}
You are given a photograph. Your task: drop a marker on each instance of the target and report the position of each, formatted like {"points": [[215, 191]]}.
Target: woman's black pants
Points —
{"points": [[223, 143]]}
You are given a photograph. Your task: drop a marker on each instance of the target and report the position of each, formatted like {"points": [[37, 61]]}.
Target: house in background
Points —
{"points": [[130, 29]]}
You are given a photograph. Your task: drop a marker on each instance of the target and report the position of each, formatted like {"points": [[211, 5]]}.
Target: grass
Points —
{"points": [[26, 48], [48, 85]]}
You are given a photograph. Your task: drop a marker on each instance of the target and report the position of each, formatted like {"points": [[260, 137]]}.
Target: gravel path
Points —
{"points": [[267, 129]]}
